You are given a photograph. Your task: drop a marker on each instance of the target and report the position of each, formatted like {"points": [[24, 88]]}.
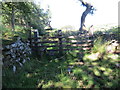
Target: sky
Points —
{"points": [[68, 12]]}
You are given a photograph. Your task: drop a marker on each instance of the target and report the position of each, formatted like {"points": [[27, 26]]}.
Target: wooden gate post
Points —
{"points": [[36, 42], [30, 38], [60, 42]]}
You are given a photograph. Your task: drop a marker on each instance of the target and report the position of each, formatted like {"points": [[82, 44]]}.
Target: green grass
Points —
{"points": [[53, 73], [33, 73]]}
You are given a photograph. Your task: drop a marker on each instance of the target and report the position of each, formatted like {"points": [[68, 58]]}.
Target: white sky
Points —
{"points": [[68, 12]]}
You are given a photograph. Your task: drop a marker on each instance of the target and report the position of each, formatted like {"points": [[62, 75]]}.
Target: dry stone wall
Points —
{"points": [[16, 54]]}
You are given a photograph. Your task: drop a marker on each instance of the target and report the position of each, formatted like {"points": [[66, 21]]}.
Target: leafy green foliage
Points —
{"points": [[19, 17], [97, 70], [26, 14]]}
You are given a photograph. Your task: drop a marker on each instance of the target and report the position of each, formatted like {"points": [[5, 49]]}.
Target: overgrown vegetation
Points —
{"points": [[98, 69], [19, 17], [54, 73]]}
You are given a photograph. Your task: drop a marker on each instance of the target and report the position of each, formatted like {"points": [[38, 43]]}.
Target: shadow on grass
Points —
{"points": [[35, 73], [52, 72]]}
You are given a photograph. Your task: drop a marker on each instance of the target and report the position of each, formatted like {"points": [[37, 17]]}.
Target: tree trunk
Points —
{"points": [[13, 19], [83, 18], [88, 9]]}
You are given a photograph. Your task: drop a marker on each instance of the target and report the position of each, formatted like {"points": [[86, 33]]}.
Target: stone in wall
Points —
{"points": [[16, 54]]}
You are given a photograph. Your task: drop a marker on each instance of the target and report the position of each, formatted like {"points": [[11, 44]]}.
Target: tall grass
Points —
{"points": [[97, 70], [64, 72]]}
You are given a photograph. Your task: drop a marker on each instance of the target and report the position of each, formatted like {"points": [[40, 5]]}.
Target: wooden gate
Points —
{"points": [[60, 44]]}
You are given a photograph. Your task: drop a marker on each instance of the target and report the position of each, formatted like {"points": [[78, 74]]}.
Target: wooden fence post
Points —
{"points": [[30, 38], [36, 42], [60, 42]]}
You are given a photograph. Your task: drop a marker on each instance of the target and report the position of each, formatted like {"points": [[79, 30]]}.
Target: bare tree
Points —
{"points": [[89, 9]]}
